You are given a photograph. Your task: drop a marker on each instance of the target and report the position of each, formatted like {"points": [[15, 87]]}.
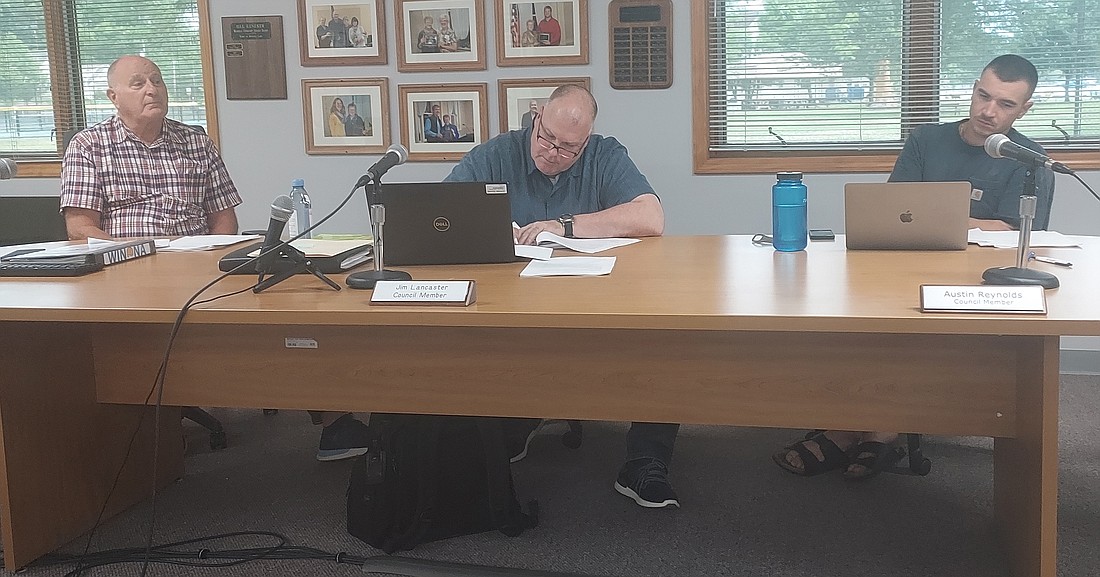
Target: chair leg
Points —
{"points": [[204, 419]]}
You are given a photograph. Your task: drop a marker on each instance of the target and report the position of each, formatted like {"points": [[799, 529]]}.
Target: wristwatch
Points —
{"points": [[566, 221]]}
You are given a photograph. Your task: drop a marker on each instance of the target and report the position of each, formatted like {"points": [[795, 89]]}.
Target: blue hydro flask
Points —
{"points": [[789, 212]]}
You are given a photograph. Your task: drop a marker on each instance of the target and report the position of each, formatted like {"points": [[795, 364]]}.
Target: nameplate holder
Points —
{"points": [[1027, 299], [440, 292]]}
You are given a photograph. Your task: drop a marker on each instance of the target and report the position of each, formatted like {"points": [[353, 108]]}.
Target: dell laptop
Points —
{"points": [[447, 223], [906, 215], [30, 219]]}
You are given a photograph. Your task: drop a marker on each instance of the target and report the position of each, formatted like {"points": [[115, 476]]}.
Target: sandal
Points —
{"points": [[835, 458], [874, 457]]}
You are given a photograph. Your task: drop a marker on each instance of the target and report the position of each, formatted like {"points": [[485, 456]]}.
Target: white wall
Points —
{"points": [[264, 146]]}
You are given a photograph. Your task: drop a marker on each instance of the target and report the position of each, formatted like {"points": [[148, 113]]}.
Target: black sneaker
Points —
{"points": [[343, 439], [646, 481]]}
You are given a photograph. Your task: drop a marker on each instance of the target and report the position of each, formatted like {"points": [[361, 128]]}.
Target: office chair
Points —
{"points": [[30, 219]]}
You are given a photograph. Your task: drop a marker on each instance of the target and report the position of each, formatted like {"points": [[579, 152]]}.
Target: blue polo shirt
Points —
{"points": [[603, 176]]}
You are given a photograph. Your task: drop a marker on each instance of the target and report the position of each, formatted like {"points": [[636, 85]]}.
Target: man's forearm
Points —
{"points": [[222, 222], [642, 216]]}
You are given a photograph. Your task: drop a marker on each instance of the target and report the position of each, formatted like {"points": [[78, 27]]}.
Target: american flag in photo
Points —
{"points": [[515, 25]]}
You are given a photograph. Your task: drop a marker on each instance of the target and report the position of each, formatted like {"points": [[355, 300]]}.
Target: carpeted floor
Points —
{"points": [[741, 514]]}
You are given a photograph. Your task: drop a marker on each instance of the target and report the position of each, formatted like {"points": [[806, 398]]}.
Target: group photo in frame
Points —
{"points": [[342, 34], [522, 99], [533, 33], [346, 116], [436, 35], [443, 121]]}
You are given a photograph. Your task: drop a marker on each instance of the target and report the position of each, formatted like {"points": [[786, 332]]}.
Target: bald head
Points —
{"points": [[127, 63], [135, 87], [572, 103]]}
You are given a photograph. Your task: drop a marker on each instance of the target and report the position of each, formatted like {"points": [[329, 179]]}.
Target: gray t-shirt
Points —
{"points": [[937, 153], [604, 176]]}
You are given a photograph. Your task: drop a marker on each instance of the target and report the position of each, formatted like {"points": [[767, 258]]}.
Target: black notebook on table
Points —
{"points": [[334, 264]]}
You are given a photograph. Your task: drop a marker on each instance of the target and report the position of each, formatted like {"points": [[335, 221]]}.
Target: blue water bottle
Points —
{"points": [[789, 212], [303, 208]]}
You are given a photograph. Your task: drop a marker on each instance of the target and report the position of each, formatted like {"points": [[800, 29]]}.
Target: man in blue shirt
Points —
{"points": [[936, 153], [564, 179]]}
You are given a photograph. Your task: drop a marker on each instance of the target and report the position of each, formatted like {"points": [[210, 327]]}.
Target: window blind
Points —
{"points": [[858, 75], [54, 56]]}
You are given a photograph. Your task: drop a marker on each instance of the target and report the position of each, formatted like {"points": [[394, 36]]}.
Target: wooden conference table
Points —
{"points": [[686, 329]]}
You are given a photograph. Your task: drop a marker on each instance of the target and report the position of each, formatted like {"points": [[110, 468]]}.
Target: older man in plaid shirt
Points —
{"points": [[139, 174]]}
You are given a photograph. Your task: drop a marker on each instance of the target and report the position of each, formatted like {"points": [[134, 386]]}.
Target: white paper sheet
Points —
{"points": [[205, 242], [585, 245], [534, 252], [570, 266], [1010, 238]]}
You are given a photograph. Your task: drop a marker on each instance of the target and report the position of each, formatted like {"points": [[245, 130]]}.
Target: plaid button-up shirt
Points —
{"points": [[164, 189]]}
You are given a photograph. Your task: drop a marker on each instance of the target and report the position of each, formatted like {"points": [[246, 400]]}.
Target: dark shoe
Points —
{"points": [[870, 459], [835, 458], [646, 481], [343, 439]]}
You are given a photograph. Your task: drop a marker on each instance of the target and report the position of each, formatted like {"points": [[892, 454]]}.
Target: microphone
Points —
{"points": [[8, 168], [397, 154], [281, 209], [1000, 146]]}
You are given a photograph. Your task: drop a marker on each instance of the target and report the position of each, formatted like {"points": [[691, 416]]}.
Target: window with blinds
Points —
{"points": [[54, 56], [827, 78]]}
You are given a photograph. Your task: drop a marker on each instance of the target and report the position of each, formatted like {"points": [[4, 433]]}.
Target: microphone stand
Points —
{"points": [[368, 278], [298, 263], [1020, 274]]}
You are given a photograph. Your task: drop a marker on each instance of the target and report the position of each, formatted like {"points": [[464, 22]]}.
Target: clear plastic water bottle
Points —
{"points": [[303, 209], [789, 232]]}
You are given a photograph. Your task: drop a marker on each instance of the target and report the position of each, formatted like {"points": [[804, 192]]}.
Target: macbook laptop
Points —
{"points": [[906, 215], [28, 219], [447, 223]]}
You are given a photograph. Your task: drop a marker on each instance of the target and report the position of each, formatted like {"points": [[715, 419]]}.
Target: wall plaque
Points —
{"points": [[255, 58]]}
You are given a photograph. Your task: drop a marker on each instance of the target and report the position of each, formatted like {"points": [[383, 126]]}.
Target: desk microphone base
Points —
{"points": [[1011, 275], [368, 278]]}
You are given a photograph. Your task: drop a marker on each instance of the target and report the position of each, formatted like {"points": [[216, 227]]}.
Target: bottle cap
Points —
{"points": [[788, 175], [297, 182]]}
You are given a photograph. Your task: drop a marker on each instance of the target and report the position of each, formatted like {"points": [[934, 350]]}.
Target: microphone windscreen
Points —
{"points": [[8, 168], [994, 143], [282, 207], [401, 152]]}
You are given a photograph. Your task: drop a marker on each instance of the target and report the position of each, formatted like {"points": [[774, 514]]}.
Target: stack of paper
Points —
{"points": [[1010, 238]]}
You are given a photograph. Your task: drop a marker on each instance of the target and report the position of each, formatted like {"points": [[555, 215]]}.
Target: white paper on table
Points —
{"points": [[570, 266], [1010, 238], [206, 242], [534, 252], [321, 247], [585, 245], [32, 247]]}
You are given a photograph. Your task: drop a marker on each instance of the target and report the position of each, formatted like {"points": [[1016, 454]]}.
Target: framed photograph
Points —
{"points": [[534, 33], [435, 35], [342, 34], [521, 99], [349, 116], [443, 121]]}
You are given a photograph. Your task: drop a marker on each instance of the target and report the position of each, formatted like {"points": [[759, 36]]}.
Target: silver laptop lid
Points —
{"points": [[906, 215]]}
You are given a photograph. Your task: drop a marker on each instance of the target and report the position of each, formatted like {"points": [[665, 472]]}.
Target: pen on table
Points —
{"points": [[1050, 260]]}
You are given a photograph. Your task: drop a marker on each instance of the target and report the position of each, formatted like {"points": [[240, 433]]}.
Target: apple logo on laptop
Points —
{"points": [[441, 223], [906, 216]]}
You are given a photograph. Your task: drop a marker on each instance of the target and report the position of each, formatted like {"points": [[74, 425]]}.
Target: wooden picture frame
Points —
{"points": [[516, 95], [419, 50], [541, 33], [327, 131], [420, 102], [323, 44]]}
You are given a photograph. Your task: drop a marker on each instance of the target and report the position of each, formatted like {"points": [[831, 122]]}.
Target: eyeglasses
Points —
{"points": [[562, 152]]}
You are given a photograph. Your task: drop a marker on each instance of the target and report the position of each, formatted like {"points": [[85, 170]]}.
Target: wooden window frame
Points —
{"points": [[59, 26], [707, 161]]}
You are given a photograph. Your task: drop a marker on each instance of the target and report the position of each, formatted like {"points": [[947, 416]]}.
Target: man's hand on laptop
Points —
{"points": [[989, 224], [527, 234]]}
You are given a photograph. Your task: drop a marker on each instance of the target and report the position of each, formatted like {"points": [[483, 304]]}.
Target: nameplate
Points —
{"points": [[983, 299], [440, 292]]}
